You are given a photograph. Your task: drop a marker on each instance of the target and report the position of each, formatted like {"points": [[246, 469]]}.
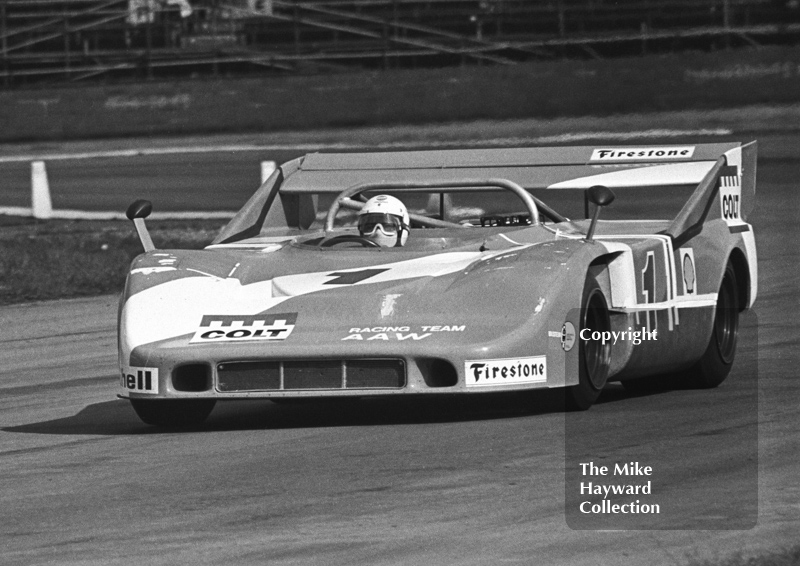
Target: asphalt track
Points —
{"points": [[434, 481]]}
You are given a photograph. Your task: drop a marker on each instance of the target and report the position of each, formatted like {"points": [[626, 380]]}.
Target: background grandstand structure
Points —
{"points": [[55, 41]]}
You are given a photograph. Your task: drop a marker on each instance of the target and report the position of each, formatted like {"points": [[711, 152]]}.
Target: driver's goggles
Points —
{"points": [[389, 223]]}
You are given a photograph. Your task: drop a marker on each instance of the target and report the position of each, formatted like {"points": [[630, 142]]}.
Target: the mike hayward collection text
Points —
{"points": [[628, 470]]}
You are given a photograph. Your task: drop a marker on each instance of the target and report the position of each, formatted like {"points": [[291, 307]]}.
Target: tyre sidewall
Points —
{"points": [[717, 361], [593, 356]]}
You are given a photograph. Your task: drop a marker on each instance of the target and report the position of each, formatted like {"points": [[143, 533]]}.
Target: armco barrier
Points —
{"points": [[673, 82]]}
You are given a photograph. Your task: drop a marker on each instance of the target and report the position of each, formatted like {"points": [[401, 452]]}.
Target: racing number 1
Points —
{"points": [[649, 289]]}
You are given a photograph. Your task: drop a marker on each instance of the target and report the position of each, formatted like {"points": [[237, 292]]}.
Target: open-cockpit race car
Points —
{"points": [[509, 277]]}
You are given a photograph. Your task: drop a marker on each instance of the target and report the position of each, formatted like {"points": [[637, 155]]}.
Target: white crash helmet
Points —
{"points": [[384, 220]]}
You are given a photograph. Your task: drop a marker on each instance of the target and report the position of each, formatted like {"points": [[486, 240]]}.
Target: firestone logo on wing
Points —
{"points": [[239, 328], [642, 153]]}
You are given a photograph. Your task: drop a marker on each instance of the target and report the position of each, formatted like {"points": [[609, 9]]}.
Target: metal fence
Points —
{"points": [[54, 41]]}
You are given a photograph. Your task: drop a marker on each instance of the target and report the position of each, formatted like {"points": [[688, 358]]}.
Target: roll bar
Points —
{"points": [[344, 199]]}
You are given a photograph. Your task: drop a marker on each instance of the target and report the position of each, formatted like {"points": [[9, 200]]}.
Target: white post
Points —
{"points": [[267, 168], [41, 206]]}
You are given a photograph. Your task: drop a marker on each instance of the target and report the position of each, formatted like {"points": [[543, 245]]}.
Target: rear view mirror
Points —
{"points": [[600, 196], [138, 211]]}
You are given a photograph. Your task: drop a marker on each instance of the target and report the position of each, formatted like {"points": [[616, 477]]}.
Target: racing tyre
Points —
{"points": [[716, 363], [173, 413], [594, 357]]}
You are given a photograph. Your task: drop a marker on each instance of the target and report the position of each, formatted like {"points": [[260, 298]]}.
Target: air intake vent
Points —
{"points": [[299, 375], [192, 378]]}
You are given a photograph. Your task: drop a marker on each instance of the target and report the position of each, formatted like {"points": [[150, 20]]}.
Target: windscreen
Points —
{"points": [[491, 207]]}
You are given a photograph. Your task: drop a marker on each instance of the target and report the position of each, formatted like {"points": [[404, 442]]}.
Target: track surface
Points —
{"points": [[436, 481]]}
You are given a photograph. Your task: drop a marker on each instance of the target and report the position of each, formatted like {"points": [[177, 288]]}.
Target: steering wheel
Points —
{"points": [[343, 199], [348, 238]]}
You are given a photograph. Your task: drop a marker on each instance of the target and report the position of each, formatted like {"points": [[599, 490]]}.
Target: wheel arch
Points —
{"points": [[615, 272], [741, 268], [601, 270]]}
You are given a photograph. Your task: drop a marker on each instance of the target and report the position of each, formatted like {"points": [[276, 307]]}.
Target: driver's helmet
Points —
{"points": [[384, 220]]}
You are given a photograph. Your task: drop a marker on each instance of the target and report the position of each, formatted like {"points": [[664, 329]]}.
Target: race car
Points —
{"points": [[500, 276]]}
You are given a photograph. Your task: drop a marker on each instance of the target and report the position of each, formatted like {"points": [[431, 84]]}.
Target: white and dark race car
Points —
{"points": [[494, 289]]}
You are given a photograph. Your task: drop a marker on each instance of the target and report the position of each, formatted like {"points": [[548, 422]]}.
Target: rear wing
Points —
{"points": [[732, 183], [723, 170], [532, 168]]}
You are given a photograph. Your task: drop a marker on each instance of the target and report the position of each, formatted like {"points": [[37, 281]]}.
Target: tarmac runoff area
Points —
{"points": [[439, 481]]}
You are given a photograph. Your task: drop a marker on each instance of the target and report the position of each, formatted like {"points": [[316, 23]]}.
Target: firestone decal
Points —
{"points": [[139, 380], [239, 328], [642, 153], [489, 373]]}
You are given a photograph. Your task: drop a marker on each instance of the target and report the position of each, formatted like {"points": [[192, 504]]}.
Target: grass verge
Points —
{"points": [[58, 259]]}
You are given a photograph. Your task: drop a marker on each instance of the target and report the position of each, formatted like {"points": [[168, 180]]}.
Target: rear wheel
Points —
{"points": [[594, 357], [173, 413], [716, 363]]}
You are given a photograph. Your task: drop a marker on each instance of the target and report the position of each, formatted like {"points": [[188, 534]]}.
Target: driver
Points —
{"points": [[384, 220]]}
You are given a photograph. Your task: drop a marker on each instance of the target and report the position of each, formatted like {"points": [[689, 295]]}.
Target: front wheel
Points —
{"points": [[173, 413], [715, 365], [594, 355]]}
